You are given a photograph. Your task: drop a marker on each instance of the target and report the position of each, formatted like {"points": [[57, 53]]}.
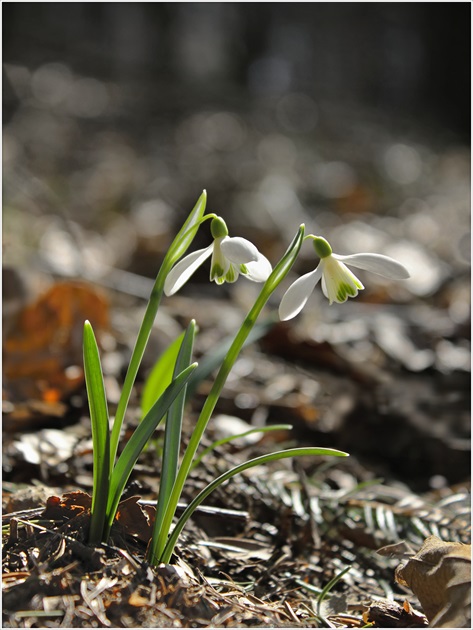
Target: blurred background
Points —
{"points": [[351, 117], [117, 115]]}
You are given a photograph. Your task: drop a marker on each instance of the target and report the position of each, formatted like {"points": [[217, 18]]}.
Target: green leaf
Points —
{"points": [[257, 461], [160, 376], [231, 438], [100, 433], [172, 439], [136, 443]]}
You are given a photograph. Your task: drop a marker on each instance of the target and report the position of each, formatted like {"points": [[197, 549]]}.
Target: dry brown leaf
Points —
{"points": [[43, 348], [134, 519], [389, 614], [439, 574], [70, 505]]}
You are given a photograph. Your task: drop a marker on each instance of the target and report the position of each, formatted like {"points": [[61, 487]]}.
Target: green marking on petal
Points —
{"points": [[243, 269], [344, 290], [217, 272], [341, 294], [231, 274]]}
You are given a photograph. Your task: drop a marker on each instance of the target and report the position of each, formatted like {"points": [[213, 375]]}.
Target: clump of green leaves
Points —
{"points": [[167, 400]]}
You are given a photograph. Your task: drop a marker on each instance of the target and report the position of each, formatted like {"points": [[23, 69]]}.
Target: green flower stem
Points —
{"points": [[178, 247], [257, 461], [277, 275]]}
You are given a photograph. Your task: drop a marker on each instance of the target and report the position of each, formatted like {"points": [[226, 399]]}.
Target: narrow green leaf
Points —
{"points": [[328, 587], [136, 443], [172, 438], [100, 433], [160, 376], [231, 438], [257, 461]]}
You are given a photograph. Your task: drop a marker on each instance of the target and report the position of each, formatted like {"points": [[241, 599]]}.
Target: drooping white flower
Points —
{"points": [[338, 282], [231, 256]]}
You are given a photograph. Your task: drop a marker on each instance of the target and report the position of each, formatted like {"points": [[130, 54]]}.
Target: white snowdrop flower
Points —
{"points": [[338, 282], [231, 256]]}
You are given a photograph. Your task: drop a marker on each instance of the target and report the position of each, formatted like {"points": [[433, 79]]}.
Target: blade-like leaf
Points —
{"points": [[172, 438], [160, 376], [133, 448], [100, 433], [231, 438], [257, 461]]}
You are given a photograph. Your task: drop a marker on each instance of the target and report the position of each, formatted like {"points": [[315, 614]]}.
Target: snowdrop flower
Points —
{"points": [[338, 282], [230, 257]]}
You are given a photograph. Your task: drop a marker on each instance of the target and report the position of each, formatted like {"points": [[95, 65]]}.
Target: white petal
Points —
{"points": [[219, 265], [259, 270], [184, 269], [377, 263], [296, 296], [238, 250], [338, 282]]}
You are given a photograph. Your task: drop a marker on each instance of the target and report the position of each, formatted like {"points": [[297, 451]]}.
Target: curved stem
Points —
{"points": [[278, 274]]}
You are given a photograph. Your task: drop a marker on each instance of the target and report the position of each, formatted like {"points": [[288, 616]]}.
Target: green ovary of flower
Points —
{"points": [[322, 247], [218, 228]]}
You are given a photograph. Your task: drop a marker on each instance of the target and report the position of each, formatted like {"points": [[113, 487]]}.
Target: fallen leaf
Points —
{"points": [[71, 504], [389, 614], [43, 349], [132, 517], [439, 574], [135, 520]]}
